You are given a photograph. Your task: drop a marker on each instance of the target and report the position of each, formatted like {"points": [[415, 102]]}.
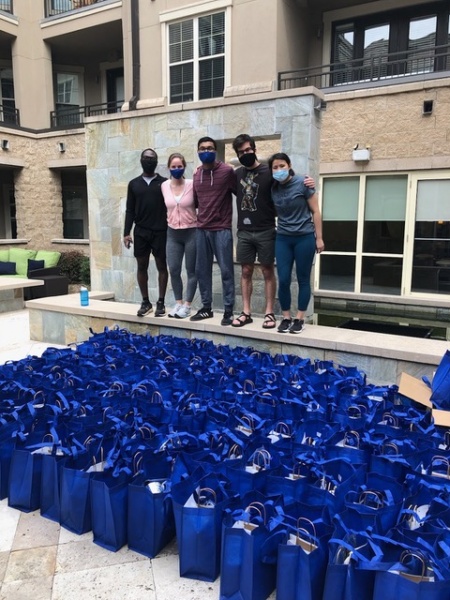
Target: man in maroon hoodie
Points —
{"points": [[214, 184]]}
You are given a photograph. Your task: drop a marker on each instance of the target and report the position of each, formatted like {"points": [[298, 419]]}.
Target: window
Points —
{"points": [[67, 98], [8, 223], [364, 229], [75, 206], [7, 102], [197, 58], [393, 44], [386, 234]]}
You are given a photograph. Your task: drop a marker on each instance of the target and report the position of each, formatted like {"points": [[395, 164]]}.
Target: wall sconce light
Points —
{"points": [[361, 154], [5, 144], [320, 105], [61, 146], [427, 108]]}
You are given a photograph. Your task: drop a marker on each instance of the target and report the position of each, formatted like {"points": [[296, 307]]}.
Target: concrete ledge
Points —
{"points": [[11, 292], [61, 320]]}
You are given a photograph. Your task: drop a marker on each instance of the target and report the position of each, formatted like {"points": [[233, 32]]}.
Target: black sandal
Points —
{"points": [[242, 321], [269, 321]]}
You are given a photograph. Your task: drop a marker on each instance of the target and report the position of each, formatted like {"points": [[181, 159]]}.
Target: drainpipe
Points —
{"points": [[135, 54]]}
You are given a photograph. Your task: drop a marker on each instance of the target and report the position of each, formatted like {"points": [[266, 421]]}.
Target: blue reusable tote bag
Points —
{"points": [[109, 508], [249, 555], [302, 563], [151, 524], [198, 505]]}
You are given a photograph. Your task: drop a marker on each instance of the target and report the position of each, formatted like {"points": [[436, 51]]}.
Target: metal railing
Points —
{"points": [[73, 116], [382, 67], [58, 7], [9, 116], [6, 6]]}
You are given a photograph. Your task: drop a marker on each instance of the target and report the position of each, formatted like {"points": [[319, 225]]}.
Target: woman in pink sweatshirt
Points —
{"points": [[181, 232]]}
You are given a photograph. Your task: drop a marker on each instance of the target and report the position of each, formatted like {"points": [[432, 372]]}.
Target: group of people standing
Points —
{"points": [[278, 218]]}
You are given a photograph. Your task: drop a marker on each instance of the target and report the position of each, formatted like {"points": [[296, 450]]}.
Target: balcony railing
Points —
{"points": [[383, 67], [73, 116], [58, 7], [9, 116], [6, 6]]}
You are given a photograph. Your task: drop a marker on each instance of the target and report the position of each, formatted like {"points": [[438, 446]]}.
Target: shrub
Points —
{"points": [[75, 266]]}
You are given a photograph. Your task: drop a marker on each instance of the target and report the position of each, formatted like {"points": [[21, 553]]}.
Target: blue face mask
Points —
{"points": [[207, 157], [177, 173], [281, 175]]}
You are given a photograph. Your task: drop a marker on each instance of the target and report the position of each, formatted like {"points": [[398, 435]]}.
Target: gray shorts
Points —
{"points": [[251, 244]]}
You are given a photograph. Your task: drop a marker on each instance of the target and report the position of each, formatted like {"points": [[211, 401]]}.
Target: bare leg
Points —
{"points": [[247, 287], [270, 286]]}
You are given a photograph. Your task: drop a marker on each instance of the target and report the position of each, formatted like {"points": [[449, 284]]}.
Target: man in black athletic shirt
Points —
{"points": [[146, 209]]}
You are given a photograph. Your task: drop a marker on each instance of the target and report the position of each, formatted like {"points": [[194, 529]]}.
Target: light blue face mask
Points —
{"points": [[281, 175]]}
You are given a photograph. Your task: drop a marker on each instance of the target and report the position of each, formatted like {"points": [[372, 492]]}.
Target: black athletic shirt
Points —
{"points": [[145, 205]]}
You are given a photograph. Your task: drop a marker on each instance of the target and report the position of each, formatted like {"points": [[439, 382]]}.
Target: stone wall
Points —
{"points": [[113, 151]]}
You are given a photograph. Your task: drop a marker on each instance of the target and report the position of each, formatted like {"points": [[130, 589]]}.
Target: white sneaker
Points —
{"points": [[175, 310], [183, 312]]}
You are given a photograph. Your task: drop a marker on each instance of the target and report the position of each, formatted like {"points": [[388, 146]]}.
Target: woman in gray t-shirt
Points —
{"points": [[299, 237]]}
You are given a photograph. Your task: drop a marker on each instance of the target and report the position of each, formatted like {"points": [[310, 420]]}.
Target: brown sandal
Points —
{"points": [[270, 321], [242, 319]]}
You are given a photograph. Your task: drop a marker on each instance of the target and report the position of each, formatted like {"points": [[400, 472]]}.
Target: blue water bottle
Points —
{"points": [[84, 296]]}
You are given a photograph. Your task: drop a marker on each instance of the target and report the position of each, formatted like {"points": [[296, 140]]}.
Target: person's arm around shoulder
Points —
{"points": [[313, 202]]}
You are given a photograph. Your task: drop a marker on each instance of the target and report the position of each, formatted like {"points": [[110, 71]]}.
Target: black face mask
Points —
{"points": [[248, 159], [149, 165]]}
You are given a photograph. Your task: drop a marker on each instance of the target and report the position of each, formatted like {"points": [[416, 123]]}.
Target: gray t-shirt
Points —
{"points": [[292, 208]]}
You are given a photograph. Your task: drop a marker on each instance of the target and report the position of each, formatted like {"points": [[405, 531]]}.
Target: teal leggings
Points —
{"points": [[301, 249]]}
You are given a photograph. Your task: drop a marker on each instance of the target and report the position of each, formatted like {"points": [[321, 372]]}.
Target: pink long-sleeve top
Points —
{"points": [[181, 212]]}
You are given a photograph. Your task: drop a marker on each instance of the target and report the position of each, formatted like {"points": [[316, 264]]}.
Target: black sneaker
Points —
{"points": [[146, 308], [203, 313], [160, 309], [297, 326], [284, 326], [227, 318]]}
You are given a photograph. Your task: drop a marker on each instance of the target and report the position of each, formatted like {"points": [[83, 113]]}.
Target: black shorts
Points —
{"points": [[255, 243], [146, 241]]}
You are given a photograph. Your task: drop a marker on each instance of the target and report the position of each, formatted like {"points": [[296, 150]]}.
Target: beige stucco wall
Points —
{"points": [[390, 121]]}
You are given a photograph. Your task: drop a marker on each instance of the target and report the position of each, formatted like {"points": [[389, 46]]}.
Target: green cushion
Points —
{"points": [[50, 257], [20, 256], [4, 255]]}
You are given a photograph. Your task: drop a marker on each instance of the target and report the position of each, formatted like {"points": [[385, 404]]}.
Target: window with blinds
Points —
{"points": [[197, 58]]}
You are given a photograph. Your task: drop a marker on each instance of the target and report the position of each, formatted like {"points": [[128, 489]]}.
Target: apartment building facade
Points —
{"points": [[357, 92]]}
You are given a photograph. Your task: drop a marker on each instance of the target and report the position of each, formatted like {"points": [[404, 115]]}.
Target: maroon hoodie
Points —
{"points": [[213, 189]]}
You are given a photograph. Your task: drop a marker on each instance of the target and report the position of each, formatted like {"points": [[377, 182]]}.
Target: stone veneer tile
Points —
{"points": [[33, 531], [30, 564], [53, 327], [36, 324], [414, 369], [379, 370]]}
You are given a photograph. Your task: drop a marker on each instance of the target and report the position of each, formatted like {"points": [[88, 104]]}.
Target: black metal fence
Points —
{"points": [[6, 6], [57, 7], [365, 70], [73, 116], [9, 115]]}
